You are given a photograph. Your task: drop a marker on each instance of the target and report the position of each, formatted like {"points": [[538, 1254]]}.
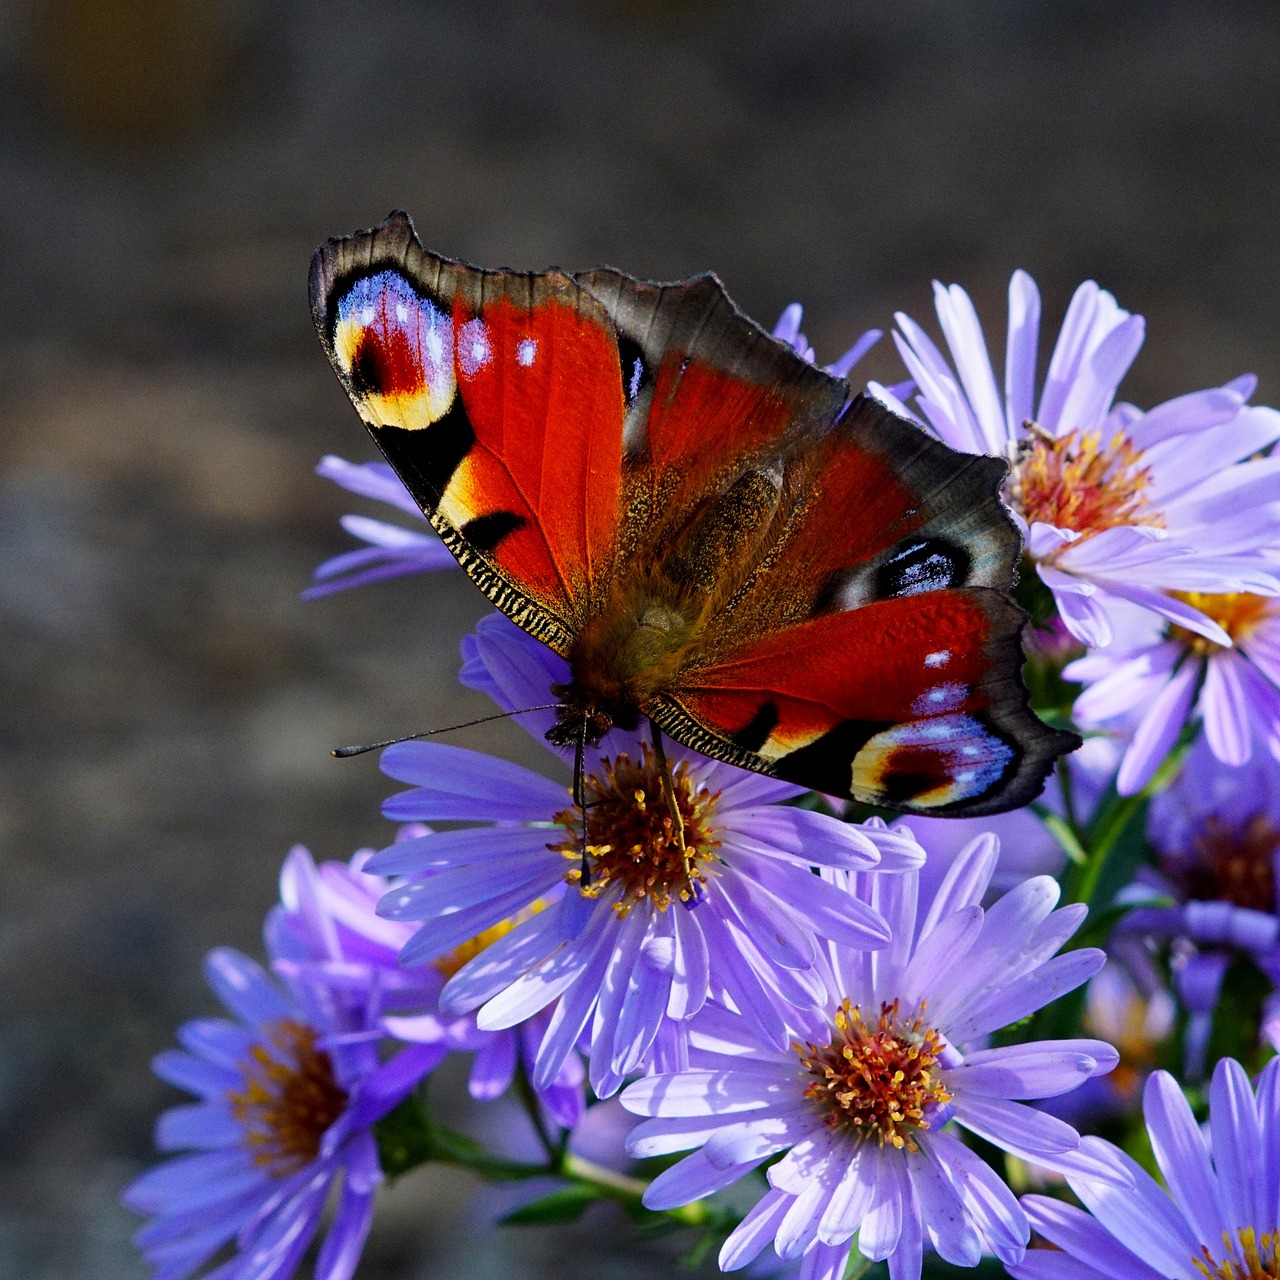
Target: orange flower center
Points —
{"points": [[1236, 612], [289, 1099], [449, 964], [1253, 1259], [1233, 864], [631, 837], [1076, 482], [877, 1080]]}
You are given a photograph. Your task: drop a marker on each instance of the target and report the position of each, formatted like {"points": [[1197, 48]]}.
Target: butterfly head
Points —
{"points": [[577, 724]]}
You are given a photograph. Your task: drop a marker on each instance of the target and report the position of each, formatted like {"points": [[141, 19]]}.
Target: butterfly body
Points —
{"points": [[713, 533]]}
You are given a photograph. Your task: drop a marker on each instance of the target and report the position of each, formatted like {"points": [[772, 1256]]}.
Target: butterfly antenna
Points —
{"points": [[343, 753], [677, 821]]}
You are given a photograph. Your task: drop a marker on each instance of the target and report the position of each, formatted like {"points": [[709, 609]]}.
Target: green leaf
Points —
{"points": [[564, 1204]]}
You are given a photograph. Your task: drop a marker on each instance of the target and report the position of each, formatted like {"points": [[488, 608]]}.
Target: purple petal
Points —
{"points": [[244, 987], [1085, 1238], [706, 1093], [1020, 352], [1158, 730], [755, 1230], [691, 1179], [1040, 1070], [1225, 709], [340, 1253], [1183, 1156]]}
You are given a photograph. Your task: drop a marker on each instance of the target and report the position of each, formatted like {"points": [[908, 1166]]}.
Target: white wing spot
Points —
{"points": [[402, 312], [474, 348], [939, 658], [526, 349], [366, 315]]}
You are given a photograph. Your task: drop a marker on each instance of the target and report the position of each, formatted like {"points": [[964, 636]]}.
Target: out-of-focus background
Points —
{"points": [[167, 167]]}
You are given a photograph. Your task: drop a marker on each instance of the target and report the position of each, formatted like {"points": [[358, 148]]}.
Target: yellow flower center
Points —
{"points": [[1232, 863], [631, 837], [1236, 612], [289, 1099], [1252, 1259], [877, 1080], [449, 964], [1076, 482]]}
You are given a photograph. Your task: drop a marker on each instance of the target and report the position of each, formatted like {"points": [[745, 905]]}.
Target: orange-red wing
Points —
{"points": [[497, 397], [710, 397], [912, 702]]}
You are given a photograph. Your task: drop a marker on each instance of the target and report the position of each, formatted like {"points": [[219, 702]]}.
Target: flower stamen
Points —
{"points": [[631, 840], [1236, 612], [1256, 1259], [290, 1098], [878, 1080], [1075, 481]]}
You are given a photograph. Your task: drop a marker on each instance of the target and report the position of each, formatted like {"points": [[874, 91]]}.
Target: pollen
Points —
{"points": [[289, 1098], [1238, 613], [877, 1080], [631, 839], [1232, 863], [1248, 1257], [450, 963], [1077, 482]]}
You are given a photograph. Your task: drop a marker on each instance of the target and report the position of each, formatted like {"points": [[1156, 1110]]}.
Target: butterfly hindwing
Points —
{"points": [[497, 397]]}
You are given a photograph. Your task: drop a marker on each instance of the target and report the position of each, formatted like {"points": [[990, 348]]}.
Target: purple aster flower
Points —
{"points": [[327, 930], [1215, 1218], [788, 330], [392, 550], [639, 949], [1216, 836], [1116, 504], [1156, 679], [288, 1093], [864, 1102]]}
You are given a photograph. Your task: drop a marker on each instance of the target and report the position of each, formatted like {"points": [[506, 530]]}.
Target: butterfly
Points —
{"points": [[717, 536]]}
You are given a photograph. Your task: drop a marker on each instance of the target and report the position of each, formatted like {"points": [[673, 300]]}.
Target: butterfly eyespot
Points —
{"points": [[927, 564]]}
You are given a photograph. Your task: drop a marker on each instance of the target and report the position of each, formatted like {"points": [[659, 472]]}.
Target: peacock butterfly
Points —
{"points": [[715, 534]]}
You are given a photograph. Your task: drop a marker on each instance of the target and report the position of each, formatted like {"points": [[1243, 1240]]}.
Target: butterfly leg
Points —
{"points": [[580, 799], [677, 819]]}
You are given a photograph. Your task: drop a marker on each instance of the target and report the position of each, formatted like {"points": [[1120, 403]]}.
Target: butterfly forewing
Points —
{"points": [[818, 583]]}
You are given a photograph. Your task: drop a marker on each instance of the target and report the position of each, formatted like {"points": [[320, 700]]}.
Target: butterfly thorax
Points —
{"points": [[623, 657]]}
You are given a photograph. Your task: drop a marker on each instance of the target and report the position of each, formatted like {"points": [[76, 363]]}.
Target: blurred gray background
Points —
{"points": [[167, 167]]}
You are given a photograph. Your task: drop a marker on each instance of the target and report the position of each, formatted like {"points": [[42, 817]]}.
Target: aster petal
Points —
{"points": [[762, 1134], [217, 1040], [852, 1197], [1236, 1138], [192, 1181], [644, 1004], [988, 1203], [781, 934], [935, 957], [823, 1262], [461, 889], [1015, 1127], [691, 1179], [665, 1135], [340, 1253], [799, 1227], [814, 837], [1183, 1156], [755, 1230], [1042, 1069], [504, 792], [1026, 994], [198, 1125], [1224, 708], [906, 1260], [575, 1007], [1193, 412], [966, 880], [735, 973], [278, 1248], [536, 989], [1142, 1215], [1020, 352], [370, 480], [942, 1209], [385, 1089], [244, 987], [500, 963], [840, 368], [1093, 389], [1085, 1238], [442, 934], [881, 1227], [963, 332], [691, 973], [196, 1075], [706, 1093], [1158, 730]]}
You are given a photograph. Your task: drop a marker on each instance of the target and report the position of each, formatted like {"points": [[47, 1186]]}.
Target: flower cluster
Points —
{"points": [[741, 1010]]}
